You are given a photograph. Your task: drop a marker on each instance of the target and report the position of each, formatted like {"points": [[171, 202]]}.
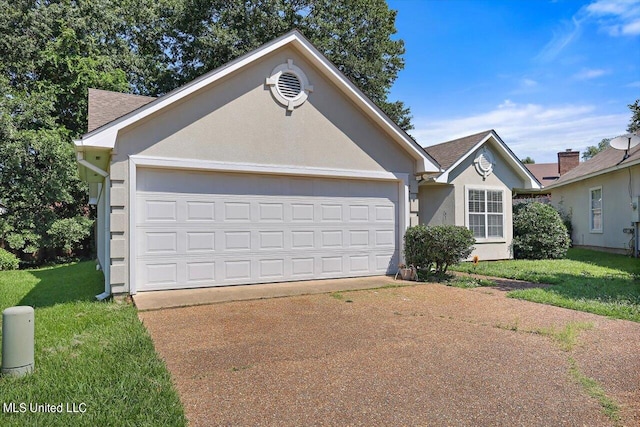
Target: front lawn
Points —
{"points": [[595, 282], [89, 355]]}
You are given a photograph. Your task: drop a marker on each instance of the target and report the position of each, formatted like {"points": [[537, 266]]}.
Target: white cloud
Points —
{"points": [[587, 74], [529, 129], [616, 17], [561, 39], [634, 84]]}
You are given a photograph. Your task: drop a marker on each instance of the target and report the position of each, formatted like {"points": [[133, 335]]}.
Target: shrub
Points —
{"points": [[539, 232], [566, 220], [8, 261], [442, 245], [68, 233]]}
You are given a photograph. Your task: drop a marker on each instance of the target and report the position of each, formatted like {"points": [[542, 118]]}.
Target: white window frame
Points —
{"points": [[502, 238], [591, 210]]}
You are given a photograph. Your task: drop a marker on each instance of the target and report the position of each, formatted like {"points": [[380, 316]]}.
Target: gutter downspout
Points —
{"points": [[107, 256]]}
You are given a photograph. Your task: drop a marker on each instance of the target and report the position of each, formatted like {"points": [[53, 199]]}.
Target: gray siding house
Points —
{"points": [[602, 195]]}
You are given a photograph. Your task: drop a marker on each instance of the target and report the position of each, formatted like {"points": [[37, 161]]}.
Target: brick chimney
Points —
{"points": [[567, 160]]}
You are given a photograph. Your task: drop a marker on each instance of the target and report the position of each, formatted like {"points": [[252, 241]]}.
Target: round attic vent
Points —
{"points": [[484, 162], [289, 85]]}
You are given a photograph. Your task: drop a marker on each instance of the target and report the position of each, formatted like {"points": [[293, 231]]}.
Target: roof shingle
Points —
{"points": [[106, 106], [604, 160], [447, 153], [546, 173]]}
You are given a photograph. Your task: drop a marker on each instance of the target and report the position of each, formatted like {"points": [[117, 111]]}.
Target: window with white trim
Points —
{"points": [[595, 209], [485, 213]]}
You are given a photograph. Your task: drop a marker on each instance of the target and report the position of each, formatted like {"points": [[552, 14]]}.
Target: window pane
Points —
{"points": [[596, 218], [495, 225], [596, 199], [476, 225], [494, 201], [476, 201]]}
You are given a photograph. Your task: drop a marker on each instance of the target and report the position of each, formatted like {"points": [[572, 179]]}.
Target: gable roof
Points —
{"points": [[448, 153], [451, 153], [606, 161], [106, 106], [545, 173], [105, 137]]}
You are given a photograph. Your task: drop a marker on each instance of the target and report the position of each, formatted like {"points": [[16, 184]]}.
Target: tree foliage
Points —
{"points": [[592, 150], [528, 161], [634, 123]]}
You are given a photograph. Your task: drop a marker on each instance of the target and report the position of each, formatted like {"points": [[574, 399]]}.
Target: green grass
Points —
{"points": [[95, 353], [609, 407], [595, 282], [467, 282], [566, 337]]}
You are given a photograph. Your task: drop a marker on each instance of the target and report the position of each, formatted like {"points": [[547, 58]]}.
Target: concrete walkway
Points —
{"points": [[157, 300]]}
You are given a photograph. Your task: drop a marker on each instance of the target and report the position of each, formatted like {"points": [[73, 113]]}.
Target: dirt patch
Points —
{"points": [[419, 355]]}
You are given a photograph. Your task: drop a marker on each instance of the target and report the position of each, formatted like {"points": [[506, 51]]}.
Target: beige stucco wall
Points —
{"points": [[237, 120], [617, 211], [437, 204], [452, 198]]}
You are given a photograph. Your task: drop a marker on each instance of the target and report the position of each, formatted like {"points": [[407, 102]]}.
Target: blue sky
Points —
{"points": [[547, 75]]}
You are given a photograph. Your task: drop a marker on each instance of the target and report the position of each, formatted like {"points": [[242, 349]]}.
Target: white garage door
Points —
{"points": [[198, 229]]}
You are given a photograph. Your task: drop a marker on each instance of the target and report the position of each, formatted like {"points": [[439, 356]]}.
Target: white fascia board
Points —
{"points": [[105, 137], [444, 177]]}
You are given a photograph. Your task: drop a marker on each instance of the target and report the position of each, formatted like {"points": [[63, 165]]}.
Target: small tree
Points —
{"points": [[538, 232], [67, 234], [440, 245]]}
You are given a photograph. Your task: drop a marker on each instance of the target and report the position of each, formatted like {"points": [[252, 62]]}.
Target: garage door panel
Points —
{"points": [[270, 229], [200, 272], [237, 269], [200, 241], [200, 211], [270, 240], [160, 210]]}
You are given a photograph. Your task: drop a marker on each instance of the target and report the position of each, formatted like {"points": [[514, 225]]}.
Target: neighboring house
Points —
{"points": [[548, 173], [601, 195], [475, 188], [273, 167]]}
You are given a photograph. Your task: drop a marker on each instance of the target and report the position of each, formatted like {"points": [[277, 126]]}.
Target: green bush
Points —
{"points": [[68, 233], [440, 245], [539, 232], [8, 261]]}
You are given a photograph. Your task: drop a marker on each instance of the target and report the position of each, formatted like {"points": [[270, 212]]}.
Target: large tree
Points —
{"points": [[53, 51]]}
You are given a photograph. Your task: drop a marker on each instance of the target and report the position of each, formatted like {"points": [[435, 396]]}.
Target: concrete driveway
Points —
{"points": [[419, 355]]}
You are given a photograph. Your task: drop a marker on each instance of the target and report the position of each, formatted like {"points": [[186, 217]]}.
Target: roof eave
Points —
{"points": [[593, 174]]}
